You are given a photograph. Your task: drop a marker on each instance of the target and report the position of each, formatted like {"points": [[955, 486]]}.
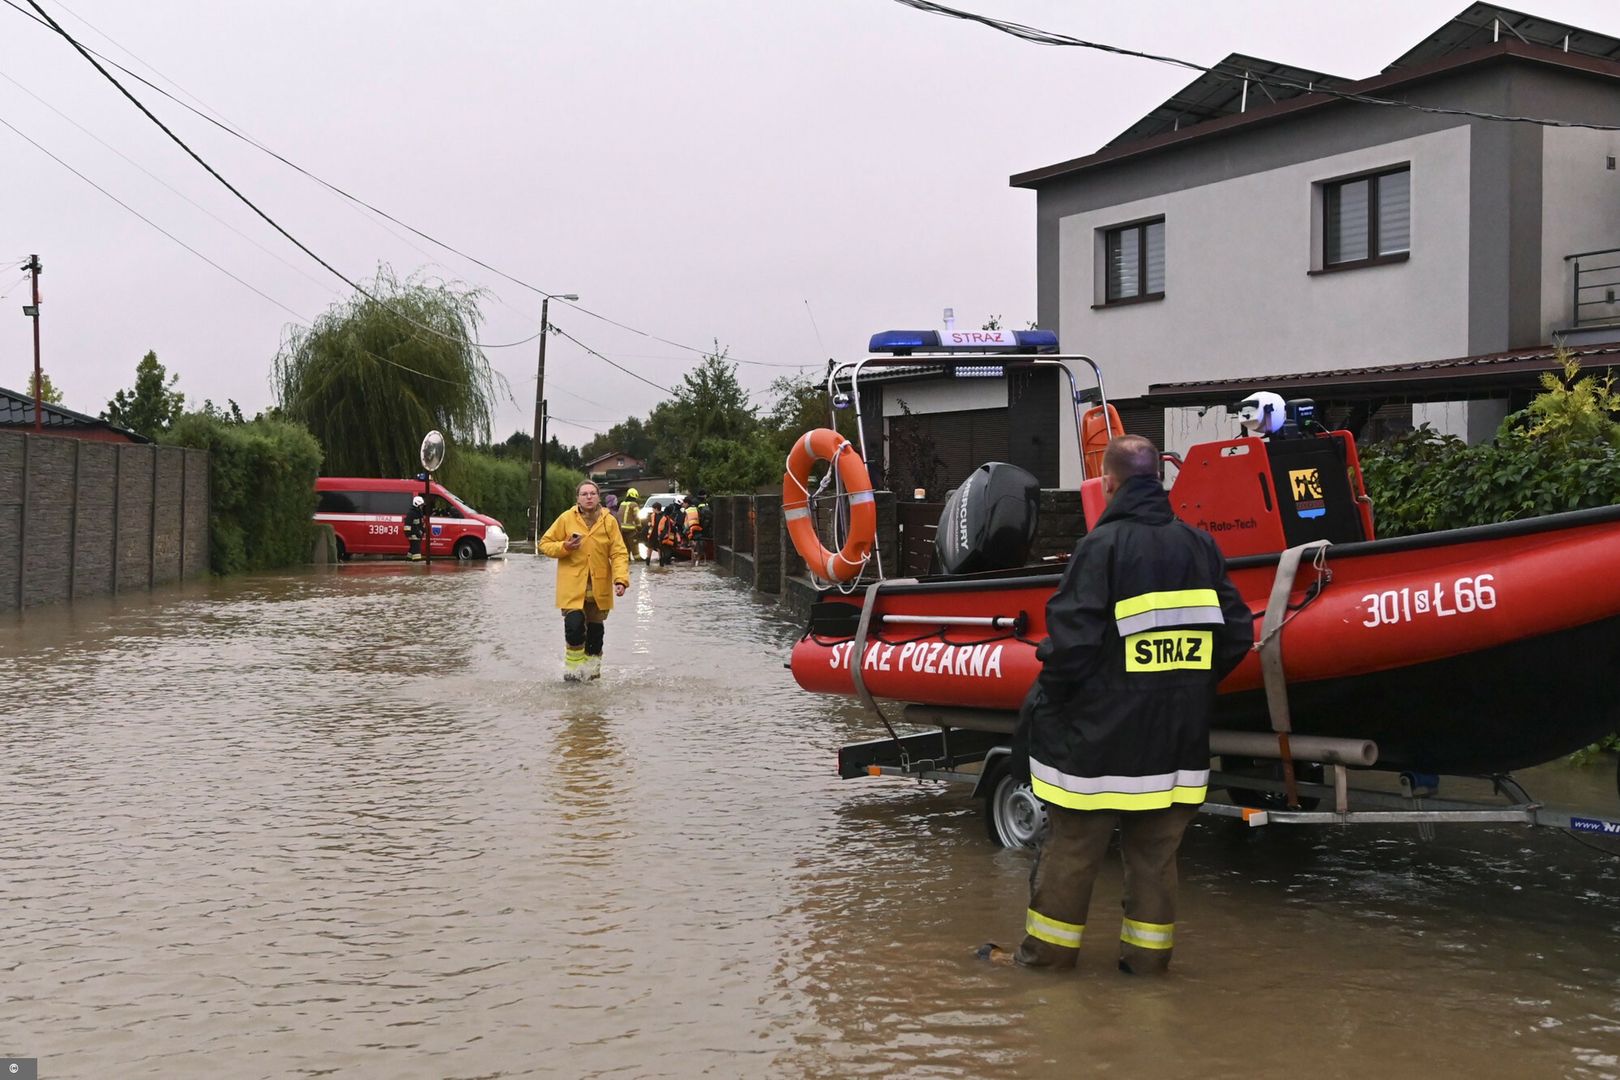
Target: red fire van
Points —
{"points": [[369, 519]]}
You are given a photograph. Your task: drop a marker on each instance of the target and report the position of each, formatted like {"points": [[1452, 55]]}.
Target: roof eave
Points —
{"points": [[1284, 110]]}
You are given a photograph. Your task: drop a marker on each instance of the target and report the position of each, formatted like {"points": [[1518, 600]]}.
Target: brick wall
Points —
{"points": [[80, 518]]}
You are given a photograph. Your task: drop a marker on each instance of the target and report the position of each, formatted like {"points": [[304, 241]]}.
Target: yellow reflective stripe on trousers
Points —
{"points": [[1052, 931], [1117, 800], [1148, 935]]}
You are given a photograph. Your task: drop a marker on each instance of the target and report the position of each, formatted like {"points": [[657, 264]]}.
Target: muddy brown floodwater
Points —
{"points": [[350, 823]]}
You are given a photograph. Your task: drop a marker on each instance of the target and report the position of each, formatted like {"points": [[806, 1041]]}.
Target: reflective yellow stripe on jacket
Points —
{"points": [[1159, 610], [1156, 792]]}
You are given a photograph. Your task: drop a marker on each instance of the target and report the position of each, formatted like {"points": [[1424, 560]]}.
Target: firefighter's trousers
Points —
{"points": [[1066, 870]]}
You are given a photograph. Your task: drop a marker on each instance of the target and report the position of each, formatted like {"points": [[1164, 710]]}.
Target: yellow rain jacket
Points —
{"points": [[601, 559]]}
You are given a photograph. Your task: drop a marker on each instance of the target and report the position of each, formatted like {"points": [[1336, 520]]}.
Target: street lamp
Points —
{"points": [[537, 458]]}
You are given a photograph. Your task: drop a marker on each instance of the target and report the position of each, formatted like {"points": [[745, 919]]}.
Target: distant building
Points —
{"points": [[1397, 265], [17, 414], [615, 464]]}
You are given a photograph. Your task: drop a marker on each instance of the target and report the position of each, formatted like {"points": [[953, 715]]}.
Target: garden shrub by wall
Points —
{"points": [[262, 487]]}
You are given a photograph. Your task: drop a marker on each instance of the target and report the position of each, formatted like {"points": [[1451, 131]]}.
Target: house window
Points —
{"points": [[1367, 219], [1134, 257]]}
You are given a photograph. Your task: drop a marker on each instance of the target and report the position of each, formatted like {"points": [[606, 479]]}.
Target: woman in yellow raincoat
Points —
{"points": [[593, 567]]}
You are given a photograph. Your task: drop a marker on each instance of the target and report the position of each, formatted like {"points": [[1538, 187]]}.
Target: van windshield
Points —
{"points": [[453, 505]]}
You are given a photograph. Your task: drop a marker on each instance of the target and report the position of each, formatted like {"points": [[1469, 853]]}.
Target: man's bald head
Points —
{"points": [[1128, 456]]}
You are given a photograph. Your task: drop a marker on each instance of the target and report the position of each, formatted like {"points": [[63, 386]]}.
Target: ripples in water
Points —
{"points": [[351, 823]]}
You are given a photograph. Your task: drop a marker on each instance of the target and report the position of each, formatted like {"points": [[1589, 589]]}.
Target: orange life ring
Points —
{"points": [[825, 444]]}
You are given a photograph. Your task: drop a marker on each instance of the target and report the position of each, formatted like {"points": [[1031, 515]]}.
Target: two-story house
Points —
{"points": [[1402, 248]]}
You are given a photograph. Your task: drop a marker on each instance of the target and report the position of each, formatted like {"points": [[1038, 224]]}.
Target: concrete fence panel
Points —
{"points": [[48, 520], [168, 482], [133, 551], [94, 528], [194, 514], [80, 518]]}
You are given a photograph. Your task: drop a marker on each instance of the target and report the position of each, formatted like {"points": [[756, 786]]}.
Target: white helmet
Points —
{"points": [[416, 500], [1262, 413]]}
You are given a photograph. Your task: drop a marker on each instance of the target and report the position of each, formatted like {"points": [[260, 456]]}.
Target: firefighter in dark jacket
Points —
{"points": [[415, 525], [1144, 625]]}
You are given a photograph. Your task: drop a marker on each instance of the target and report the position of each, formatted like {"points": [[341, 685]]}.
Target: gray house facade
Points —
{"points": [[1256, 229]]}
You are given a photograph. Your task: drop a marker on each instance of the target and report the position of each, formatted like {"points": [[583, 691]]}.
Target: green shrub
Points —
{"points": [[490, 485], [499, 487], [261, 489], [1562, 453]]}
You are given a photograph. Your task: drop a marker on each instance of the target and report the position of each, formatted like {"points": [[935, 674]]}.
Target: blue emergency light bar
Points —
{"points": [[905, 342]]}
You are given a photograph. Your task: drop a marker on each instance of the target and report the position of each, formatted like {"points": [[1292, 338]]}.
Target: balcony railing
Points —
{"points": [[1595, 288]]}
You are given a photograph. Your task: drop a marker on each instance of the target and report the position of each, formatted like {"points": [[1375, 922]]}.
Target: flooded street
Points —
{"points": [[351, 823]]}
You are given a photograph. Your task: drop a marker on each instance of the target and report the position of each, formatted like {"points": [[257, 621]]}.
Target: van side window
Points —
{"points": [[392, 503], [442, 507], [337, 502]]}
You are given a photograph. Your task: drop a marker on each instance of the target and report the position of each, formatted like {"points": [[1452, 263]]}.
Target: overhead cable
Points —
{"points": [[152, 223], [1047, 37], [355, 198], [559, 330], [274, 255], [71, 40]]}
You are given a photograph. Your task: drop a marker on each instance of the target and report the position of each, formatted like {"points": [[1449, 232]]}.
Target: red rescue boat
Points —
{"points": [[1473, 651]]}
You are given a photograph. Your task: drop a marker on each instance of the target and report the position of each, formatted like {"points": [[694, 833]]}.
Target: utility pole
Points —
{"points": [[537, 458], [545, 417], [32, 311]]}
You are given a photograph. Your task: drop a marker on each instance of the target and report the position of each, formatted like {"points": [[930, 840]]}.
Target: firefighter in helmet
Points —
{"points": [[415, 525]]}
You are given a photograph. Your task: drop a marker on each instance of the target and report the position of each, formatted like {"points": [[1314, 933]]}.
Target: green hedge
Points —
{"points": [[261, 489], [499, 487], [1562, 453], [1421, 481]]}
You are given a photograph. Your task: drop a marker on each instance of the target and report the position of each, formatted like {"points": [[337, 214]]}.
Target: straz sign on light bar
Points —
{"points": [[988, 339]]}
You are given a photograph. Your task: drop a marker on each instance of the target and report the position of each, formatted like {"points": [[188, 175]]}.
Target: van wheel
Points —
{"points": [[468, 548], [342, 550], [1013, 816]]}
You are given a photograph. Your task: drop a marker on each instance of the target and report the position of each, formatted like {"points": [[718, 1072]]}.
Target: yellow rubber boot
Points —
{"points": [[574, 664]]}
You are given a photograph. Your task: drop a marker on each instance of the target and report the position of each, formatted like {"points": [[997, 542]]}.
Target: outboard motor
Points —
{"points": [[989, 522]]}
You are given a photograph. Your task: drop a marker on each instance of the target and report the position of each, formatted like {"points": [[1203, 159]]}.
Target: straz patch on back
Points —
{"points": [[1169, 650]]}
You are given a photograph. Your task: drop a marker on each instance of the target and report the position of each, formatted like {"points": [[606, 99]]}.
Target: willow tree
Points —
{"points": [[372, 376]]}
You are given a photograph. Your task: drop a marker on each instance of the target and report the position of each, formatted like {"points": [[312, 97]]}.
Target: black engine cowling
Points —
{"points": [[989, 522]]}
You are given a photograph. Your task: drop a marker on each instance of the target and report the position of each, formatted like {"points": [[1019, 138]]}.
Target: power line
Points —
{"points": [[285, 262], [557, 329], [152, 223], [82, 51], [1047, 37], [229, 130]]}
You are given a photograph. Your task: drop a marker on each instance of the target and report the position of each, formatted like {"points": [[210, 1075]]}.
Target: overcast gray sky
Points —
{"points": [[783, 178]]}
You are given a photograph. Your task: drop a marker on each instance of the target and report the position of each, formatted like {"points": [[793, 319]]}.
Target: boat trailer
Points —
{"points": [[968, 746]]}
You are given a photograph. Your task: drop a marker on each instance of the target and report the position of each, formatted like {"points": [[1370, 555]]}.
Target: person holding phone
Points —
{"points": [[593, 567]]}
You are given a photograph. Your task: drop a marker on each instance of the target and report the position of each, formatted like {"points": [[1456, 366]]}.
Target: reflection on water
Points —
{"points": [[350, 822]]}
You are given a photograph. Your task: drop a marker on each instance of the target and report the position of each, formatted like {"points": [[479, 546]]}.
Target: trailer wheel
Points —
{"points": [[1013, 816]]}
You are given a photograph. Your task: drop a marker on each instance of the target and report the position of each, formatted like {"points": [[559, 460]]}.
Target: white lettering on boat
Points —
{"points": [[1442, 600], [980, 661]]}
